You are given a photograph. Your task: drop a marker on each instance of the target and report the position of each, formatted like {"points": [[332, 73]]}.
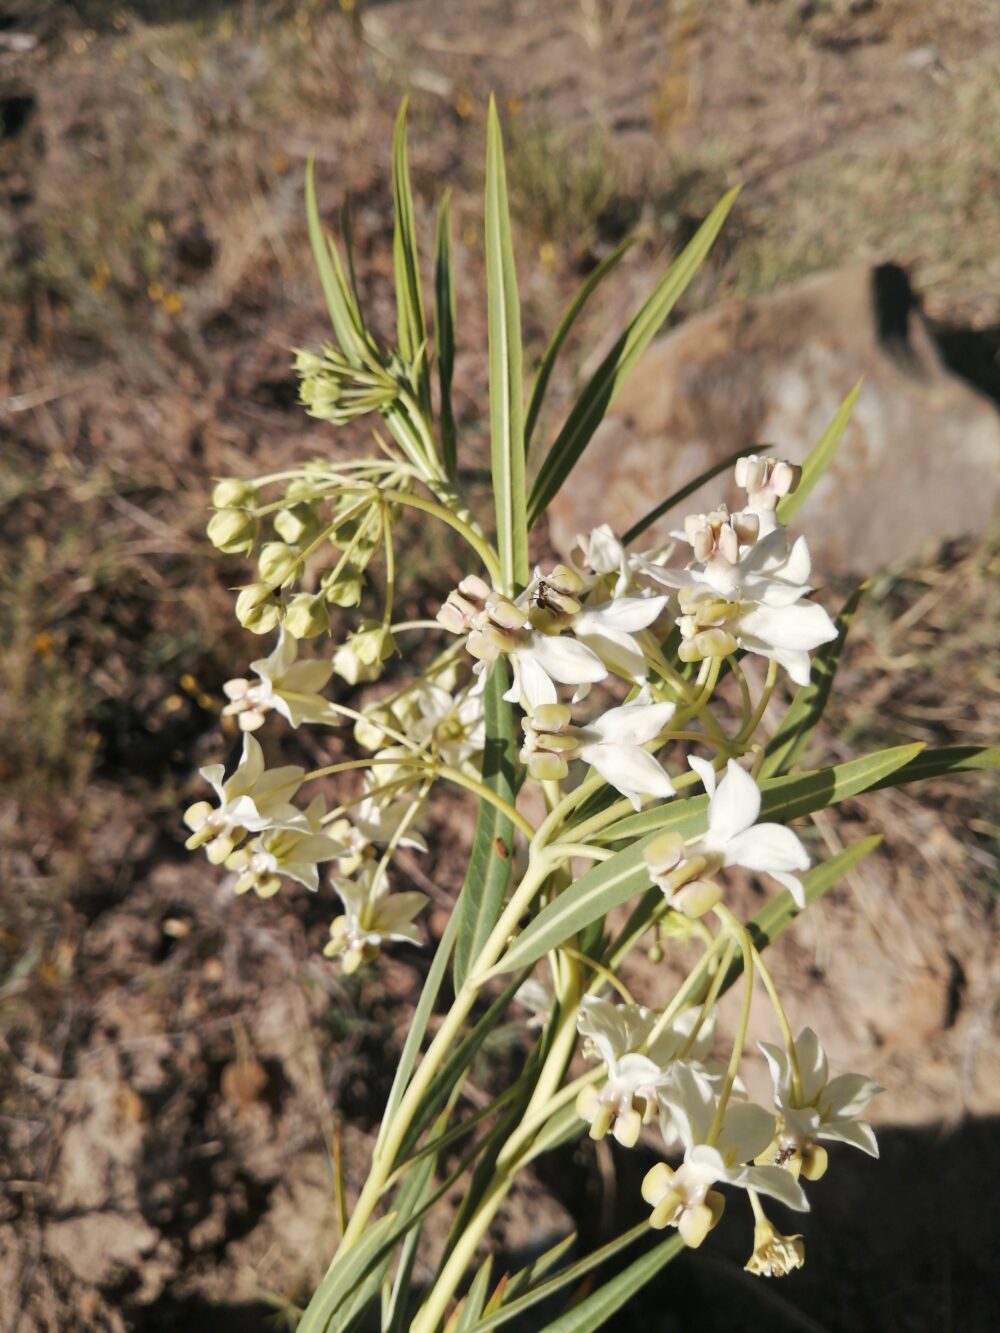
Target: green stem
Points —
{"points": [[487, 794], [739, 932], [783, 1023]]}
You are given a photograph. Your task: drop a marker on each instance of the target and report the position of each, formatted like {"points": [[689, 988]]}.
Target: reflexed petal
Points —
{"points": [[629, 614], [803, 625], [632, 724], [565, 660], [705, 771], [617, 650], [530, 682], [813, 1067], [767, 847], [794, 887], [629, 770], [854, 1132], [776, 1182], [734, 806], [780, 1066], [848, 1095], [746, 1131]]}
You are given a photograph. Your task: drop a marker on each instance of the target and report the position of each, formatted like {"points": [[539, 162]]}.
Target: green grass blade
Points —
{"points": [[608, 379], [545, 366], [411, 327], [343, 1277], [529, 1276], [418, 1025], [678, 497], [624, 875], [412, 1195], [562, 1279], [344, 316], [506, 388], [444, 332], [481, 900], [596, 1309], [787, 744], [472, 1306], [820, 457]]}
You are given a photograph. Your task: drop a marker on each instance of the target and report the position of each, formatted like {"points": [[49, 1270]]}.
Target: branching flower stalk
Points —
{"points": [[616, 684]]}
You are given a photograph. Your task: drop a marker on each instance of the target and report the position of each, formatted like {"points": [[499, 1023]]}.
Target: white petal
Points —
{"points": [[779, 1065], [632, 724], [778, 1183], [617, 650], [629, 770], [813, 1068], [734, 806], [853, 1132], [794, 886], [530, 682], [802, 625], [848, 1095], [565, 660], [624, 613], [767, 847], [746, 1132], [705, 771]]}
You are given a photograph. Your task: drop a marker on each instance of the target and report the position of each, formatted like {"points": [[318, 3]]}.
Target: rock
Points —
{"points": [[920, 461]]}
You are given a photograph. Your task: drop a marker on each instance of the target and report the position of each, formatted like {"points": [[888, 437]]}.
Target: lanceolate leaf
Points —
{"points": [[472, 1306], [506, 388], [798, 724], [444, 331], [344, 314], [820, 458], [544, 372], [594, 1311], [606, 382], [482, 897], [410, 323], [615, 881], [343, 1276], [678, 497]]}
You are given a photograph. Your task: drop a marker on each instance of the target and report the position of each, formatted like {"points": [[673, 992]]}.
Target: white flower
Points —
{"points": [[609, 630], [685, 871], [373, 915], [295, 852], [822, 1108], [630, 1098], [766, 481], [287, 686], [683, 1197], [612, 744], [250, 801], [457, 725], [602, 555]]}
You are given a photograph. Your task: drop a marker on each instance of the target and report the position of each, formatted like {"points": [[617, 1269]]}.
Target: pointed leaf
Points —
{"points": [[343, 1276], [820, 457], [608, 379], [481, 900], [596, 1309], [444, 332], [544, 371], [506, 389], [344, 315], [472, 1306], [786, 746], [410, 323]]}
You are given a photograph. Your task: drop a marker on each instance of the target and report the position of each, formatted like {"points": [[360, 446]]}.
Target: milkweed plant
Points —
{"points": [[595, 682]]}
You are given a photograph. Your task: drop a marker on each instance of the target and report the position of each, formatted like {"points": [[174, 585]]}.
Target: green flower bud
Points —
{"points": [[277, 563], [257, 608], [306, 616], [233, 531], [345, 589], [231, 493], [373, 642], [298, 525]]}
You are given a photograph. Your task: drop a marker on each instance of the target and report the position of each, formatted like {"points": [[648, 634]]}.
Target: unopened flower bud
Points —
{"points": [[232, 531], [277, 563], [343, 589], [766, 480], [706, 643], [231, 493], [297, 525], [257, 608], [306, 616]]}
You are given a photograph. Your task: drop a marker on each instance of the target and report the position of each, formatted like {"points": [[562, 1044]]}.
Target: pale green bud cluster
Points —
{"points": [[232, 529], [332, 389]]}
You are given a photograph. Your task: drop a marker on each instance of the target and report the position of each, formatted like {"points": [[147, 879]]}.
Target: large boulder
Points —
{"points": [[920, 460]]}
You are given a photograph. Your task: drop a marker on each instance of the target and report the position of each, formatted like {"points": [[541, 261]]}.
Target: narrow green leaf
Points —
{"points": [[787, 744], [506, 388], [616, 880], [410, 323], [529, 1276], [943, 762], [344, 316], [678, 497], [608, 379], [342, 1277], [418, 1025], [412, 1195], [820, 457], [481, 900], [562, 1279], [594, 1311], [472, 1306], [544, 371], [444, 332]]}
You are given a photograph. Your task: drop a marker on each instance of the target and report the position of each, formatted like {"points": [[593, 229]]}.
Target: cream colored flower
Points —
{"points": [[287, 686]]}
